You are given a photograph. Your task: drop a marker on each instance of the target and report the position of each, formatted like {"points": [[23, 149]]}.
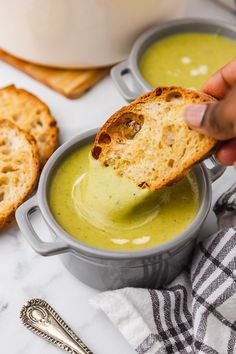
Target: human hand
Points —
{"points": [[218, 119]]}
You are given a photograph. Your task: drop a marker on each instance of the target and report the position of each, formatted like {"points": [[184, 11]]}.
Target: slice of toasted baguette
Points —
{"points": [[19, 168], [148, 140], [32, 115]]}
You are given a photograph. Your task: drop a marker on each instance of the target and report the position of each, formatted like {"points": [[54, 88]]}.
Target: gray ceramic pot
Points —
{"points": [[103, 269], [131, 66]]}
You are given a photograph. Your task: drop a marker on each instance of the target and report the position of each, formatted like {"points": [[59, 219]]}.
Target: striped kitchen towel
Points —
{"points": [[196, 313]]}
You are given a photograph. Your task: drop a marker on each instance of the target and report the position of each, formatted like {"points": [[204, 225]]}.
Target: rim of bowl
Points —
{"points": [[145, 36], [85, 249]]}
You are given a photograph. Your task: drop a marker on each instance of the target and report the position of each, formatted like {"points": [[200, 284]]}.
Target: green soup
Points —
{"points": [[186, 59], [106, 211]]}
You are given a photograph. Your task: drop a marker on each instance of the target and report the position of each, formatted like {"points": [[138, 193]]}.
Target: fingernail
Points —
{"points": [[194, 113]]}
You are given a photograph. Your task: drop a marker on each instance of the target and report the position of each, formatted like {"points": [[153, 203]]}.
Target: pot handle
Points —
{"points": [[117, 73], [217, 170], [23, 220]]}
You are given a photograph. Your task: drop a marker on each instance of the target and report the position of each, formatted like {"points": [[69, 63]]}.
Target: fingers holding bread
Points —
{"points": [[149, 142], [19, 168]]}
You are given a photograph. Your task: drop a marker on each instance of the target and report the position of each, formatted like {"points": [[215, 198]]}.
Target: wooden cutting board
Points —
{"points": [[71, 83]]}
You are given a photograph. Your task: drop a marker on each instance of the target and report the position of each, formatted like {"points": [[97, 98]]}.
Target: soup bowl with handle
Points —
{"points": [[137, 85], [104, 269]]}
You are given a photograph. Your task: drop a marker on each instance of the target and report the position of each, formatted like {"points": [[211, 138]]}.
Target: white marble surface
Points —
{"points": [[24, 274]]}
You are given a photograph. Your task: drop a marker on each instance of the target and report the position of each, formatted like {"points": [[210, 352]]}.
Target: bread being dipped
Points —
{"points": [[121, 199]]}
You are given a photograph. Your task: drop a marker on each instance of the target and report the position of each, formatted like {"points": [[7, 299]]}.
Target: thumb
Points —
{"points": [[214, 119]]}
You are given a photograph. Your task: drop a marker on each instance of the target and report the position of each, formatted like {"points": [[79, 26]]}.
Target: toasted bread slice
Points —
{"points": [[32, 115], [19, 168], [148, 140]]}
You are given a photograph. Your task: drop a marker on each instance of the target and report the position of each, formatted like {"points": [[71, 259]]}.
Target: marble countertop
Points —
{"points": [[24, 274]]}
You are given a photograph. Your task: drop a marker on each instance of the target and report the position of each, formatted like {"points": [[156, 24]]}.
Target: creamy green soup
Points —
{"points": [[186, 59], [106, 211]]}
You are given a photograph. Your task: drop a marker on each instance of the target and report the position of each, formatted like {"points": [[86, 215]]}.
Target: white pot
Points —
{"points": [[78, 33]]}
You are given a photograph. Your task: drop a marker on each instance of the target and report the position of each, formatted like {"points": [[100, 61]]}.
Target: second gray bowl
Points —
{"points": [[131, 66]]}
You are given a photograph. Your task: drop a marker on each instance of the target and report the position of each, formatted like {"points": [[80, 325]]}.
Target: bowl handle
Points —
{"points": [[23, 220], [217, 170], [117, 73]]}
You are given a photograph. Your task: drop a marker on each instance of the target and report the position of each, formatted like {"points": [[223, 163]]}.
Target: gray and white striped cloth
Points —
{"points": [[196, 313]]}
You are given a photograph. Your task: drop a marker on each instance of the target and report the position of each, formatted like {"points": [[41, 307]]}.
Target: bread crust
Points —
{"points": [[112, 140], [13, 191], [31, 114]]}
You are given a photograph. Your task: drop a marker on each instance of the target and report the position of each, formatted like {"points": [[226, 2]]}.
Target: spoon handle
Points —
{"points": [[38, 316]]}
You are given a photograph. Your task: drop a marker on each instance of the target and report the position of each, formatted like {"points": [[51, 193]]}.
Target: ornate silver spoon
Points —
{"points": [[38, 316]]}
